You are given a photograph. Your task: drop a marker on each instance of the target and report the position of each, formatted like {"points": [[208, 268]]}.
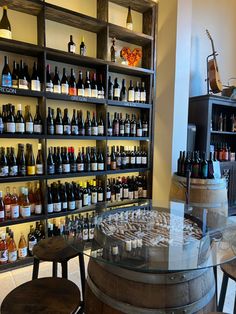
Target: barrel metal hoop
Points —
{"points": [[130, 309], [152, 278]]}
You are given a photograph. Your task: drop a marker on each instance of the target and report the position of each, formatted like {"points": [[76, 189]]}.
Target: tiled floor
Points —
{"points": [[10, 280]]}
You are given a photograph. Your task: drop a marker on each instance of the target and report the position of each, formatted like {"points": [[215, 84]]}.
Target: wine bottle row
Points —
{"points": [[17, 123], [223, 152], [26, 202], [10, 253], [23, 164]]}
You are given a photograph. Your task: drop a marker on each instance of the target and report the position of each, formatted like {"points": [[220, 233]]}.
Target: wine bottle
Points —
{"points": [[1, 124], [143, 96], [94, 125], [108, 159], [123, 93], [118, 158], [23, 83], [3, 249], [81, 123], [74, 124], [64, 83], [56, 82], [101, 92], [5, 26], [71, 45], [127, 126], [129, 21], [29, 124], [94, 87], [88, 125], [113, 158], [20, 123], [100, 126], [38, 200], [145, 126], [72, 159], [137, 93], [100, 161], [71, 198], [13, 168], [49, 201], [6, 72], [116, 90], [58, 161], [65, 161], [72, 84], [113, 50], [115, 126], [25, 210], [11, 125], [80, 162], [131, 92], [30, 162], [50, 122], [66, 123], [22, 247], [139, 127], [32, 241], [21, 162], [38, 122], [80, 85], [121, 126], [39, 161], [109, 125], [87, 162], [50, 162], [94, 162], [100, 192], [35, 80], [49, 83], [110, 89], [58, 123], [82, 47], [87, 86], [15, 209], [133, 126], [12, 249], [4, 169]]}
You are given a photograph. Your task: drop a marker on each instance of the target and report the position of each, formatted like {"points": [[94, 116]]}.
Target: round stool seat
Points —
{"points": [[54, 249], [230, 269], [44, 295]]}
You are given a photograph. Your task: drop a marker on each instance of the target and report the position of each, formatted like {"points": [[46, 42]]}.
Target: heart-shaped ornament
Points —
{"points": [[133, 57]]}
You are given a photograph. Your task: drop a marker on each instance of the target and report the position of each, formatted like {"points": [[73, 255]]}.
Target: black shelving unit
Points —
{"points": [[44, 55]]}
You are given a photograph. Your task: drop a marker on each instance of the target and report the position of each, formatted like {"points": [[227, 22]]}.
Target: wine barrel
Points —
{"points": [[209, 194], [114, 290]]}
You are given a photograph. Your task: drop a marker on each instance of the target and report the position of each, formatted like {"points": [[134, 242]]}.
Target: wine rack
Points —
{"points": [[104, 30]]}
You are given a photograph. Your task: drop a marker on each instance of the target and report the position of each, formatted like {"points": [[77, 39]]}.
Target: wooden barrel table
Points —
{"points": [[209, 194], [114, 290]]}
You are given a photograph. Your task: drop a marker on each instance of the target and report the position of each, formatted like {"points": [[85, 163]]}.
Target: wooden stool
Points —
{"points": [[229, 271], [44, 295], [56, 250]]}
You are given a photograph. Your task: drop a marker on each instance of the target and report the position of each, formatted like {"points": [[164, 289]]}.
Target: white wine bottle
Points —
{"points": [[5, 26], [129, 21]]}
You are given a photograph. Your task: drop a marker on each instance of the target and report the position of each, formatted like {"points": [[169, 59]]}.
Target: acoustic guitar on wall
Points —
{"points": [[213, 72]]}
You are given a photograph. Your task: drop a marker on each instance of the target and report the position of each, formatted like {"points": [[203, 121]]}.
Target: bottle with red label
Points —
{"points": [[72, 84]]}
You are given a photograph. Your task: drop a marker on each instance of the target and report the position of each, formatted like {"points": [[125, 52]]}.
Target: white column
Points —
{"points": [[173, 76]]}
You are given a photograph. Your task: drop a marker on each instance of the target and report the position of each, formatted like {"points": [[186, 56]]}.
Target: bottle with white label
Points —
{"points": [[25, 209], [38, 122], [87, 86], [56, 82], [49, 201], [22, 247], [80, 85], [11, 125], [137, 93], [49, 83], [5, 26], [143, 94], [64, 83], [71, 45], [3, 249], [12, 249], [131, 92], [116, 90], [15, 208], [20, 122], [23, 79], [35, 80], [29, 124], [38, 200]]}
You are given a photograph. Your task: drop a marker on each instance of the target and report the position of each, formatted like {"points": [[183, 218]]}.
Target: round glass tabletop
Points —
{"points": [[150, 239]]}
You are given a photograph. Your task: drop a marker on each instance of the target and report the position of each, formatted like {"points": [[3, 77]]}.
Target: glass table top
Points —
{"points": [[151, 239]]}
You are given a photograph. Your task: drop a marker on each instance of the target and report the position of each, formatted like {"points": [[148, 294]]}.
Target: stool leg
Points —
{"points": [[64, 269], [223, 292], [54, 269], [35, 269], [82, 273]]}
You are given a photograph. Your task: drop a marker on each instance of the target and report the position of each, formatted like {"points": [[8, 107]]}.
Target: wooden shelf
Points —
{"points": [[129, 138], [75, 175], [32, 7], [128, 104], [75, 98], [76, 137], [19, 92], [21, 136], [129, 36], [20, 47], [73, 212], [127, 170], [21, 179], [140, 6], [223, 133], [128, 70], [22, 220]]}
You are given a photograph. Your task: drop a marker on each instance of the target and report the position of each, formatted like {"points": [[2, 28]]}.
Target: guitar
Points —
{"points": [[213, 72]]}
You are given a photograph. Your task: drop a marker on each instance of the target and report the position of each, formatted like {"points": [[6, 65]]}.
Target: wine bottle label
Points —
{"points": [[123, 161], [38, 209], [85, 199], [143, 96], [72, 91], [129, 26], [100, 197], [144, 160], [127, 128], [73, 167], [80, 167], [94, 166], [113, 198], [131, 95], [81, 92], [49, 87], [11, 127], [50, 208], [58, 168], [35, 85], [25, 211], [144, 193], [95, 93], [117, 92], [140, 192], [67, 129], [118, 197], [39, 169], [65, 89], [145, 127], [109, 132], [108, 195], [94, 197], [22, 170], [51, 169], [12, 256], [5, 33], [100, 166], [32, 243], [138, 160], [133, 129], [30, 170], [118, 161], [20, 127], [72, 48], [15, 211], [22, 252], [109, 160], [94, 130], [4, 171], [3, 256], [135, 194], [15, 83], [38, 128], [91, 233], [89, 199], [131, 195], [2, 214], [87, 92], [6, 79], [132, 160], [85, 234], [113, 165], [74, 129], [122, 130], [66, 168], [13, 171], [23, 84], [100, 130], [137, 96], [64, 205], [78, 204], [139, 132], [51, 129], [8, 211], [57, 89], [126, 193], [101, 94], [56, 207], [71, 205], [29, 127], [32, 208], [59, 129]]}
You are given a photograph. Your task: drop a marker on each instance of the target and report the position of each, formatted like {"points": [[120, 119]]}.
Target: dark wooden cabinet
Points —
{"points": [[204, 112]]}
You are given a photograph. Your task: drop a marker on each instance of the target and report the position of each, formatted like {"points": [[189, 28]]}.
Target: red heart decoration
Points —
{"points": [[132, 57]]}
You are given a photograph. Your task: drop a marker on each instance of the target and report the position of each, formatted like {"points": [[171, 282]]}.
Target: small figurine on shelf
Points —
{"points": [[82, 47], [113, 50]]}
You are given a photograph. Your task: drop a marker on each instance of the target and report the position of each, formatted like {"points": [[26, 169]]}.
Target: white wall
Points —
{"points": [[219, 18]]}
